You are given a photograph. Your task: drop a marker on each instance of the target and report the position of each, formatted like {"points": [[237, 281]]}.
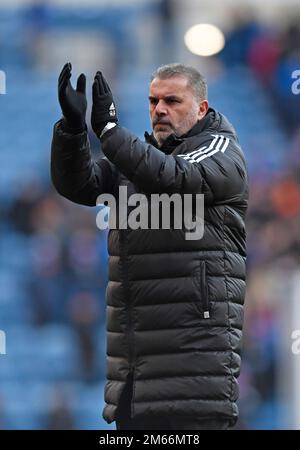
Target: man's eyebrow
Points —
{"points": [[167, 97]]}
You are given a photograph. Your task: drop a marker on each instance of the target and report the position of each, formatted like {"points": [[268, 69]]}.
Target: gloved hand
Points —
{"points": [[73, 102], [103, 110]]}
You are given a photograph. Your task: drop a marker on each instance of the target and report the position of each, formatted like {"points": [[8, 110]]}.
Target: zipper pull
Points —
{"points": [[206, 315]]}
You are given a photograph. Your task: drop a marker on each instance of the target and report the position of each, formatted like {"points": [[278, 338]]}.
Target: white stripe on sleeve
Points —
{"points": [[219, 143]]}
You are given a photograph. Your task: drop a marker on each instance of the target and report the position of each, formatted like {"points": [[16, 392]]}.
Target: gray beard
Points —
{"points": [[185, 126], [161, 140]]}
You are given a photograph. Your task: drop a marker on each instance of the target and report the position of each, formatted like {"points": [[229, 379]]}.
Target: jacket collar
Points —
{"points": [[173, 141]]}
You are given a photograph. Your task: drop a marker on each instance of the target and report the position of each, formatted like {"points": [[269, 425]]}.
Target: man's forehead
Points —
{"points": [[169, 86]]}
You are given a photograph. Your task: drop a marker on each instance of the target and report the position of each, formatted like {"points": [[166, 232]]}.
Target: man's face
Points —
{"points": [[173, 107]]}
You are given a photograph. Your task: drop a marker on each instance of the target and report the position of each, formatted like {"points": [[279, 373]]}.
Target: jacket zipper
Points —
{"points": [[124, 276], [204, 291]]}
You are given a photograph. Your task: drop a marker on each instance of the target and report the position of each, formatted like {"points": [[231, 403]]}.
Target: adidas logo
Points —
{"points": [[112, 110]]}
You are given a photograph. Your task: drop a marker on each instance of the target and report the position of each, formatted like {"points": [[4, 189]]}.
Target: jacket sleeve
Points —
{"points": [[219, 172], [74, 174]]}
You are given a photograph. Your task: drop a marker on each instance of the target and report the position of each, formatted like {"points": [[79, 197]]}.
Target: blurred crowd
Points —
{"points": [[273, 221], [68, 266], [273, 54]]}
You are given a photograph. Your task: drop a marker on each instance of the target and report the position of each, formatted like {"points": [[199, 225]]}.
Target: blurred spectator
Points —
{"points": [[83, 256], [60, 416], [85, 316], [244, 30], [263, 55], [287, 102], [23, 206], [286, 197], [291, 40], [273, 54], [48, 282]]}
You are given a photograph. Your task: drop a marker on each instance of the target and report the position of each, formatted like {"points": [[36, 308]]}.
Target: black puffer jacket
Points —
{"points": [[174, 306]]}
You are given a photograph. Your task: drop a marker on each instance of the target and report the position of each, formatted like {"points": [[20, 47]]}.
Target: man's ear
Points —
{"points": [[203, 107]]}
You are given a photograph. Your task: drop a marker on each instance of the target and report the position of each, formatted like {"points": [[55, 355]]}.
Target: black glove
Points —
{"points": [[103, 109], [73, 102]]}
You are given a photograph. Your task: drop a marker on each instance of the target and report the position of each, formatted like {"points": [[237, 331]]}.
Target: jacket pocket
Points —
{"points": [[200, 280]]}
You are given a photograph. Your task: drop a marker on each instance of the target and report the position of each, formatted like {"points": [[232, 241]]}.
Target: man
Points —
{"points": [[174, 306]]}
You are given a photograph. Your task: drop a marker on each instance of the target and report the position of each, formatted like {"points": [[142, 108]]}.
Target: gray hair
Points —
{"points": [[196, 81]]}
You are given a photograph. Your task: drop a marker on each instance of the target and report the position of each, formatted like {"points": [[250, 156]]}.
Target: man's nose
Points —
{"points": [[160, 108]]}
